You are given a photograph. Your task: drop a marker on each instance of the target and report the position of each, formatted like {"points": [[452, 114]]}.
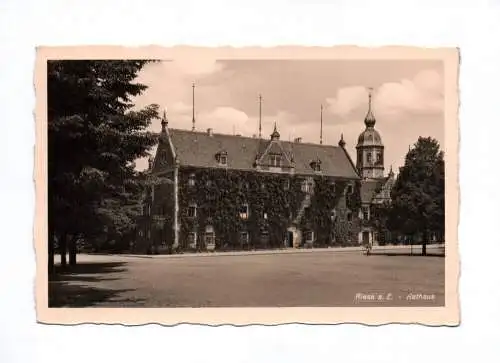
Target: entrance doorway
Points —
{"points": [[366, 237], [289, 239]]}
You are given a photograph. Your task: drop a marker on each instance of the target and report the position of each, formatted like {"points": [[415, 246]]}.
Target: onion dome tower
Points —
{"points": [[370, 149]]}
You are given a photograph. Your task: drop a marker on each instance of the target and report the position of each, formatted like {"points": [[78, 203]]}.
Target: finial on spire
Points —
{"points": [[321, 126], [275, 135], [370, 119], [193, 111], [260, 116], [164, 121], [341, 141]]}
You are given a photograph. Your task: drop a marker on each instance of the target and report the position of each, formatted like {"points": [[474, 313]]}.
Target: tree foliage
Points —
{"points": [[94, 137], [418, 194]]}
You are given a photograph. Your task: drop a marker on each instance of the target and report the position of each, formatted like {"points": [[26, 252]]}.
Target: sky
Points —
{"points": [[408, 99]]}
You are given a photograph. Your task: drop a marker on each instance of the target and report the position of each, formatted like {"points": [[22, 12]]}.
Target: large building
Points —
{"points": [[229, 192]]}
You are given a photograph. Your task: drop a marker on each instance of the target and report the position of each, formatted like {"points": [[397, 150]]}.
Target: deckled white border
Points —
{"points": [[447, 315]]}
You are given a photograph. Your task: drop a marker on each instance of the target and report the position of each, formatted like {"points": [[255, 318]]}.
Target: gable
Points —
{"points": [[164, 158]]}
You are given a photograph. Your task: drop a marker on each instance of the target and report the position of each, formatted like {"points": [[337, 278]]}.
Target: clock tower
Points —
{"points": [[370, 149]]}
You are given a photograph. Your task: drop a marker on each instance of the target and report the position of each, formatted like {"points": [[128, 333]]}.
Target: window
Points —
{"points": [[244, 211], [333, 186], [223, 160], [333, 215], [307, 186], [369, 157], [309, 236], [286, 184], [210, 238], [265, 215], [316, 165], [349, 216], [275, 160], [307, 212], [192, 211], [366, 213], [191, 180], [350, 189], [209, 183], [244, 237], [379, 158], [192, 239]]}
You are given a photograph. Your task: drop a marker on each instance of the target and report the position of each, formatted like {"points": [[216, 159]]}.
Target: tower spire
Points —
{"points": [[193, 110], [260, 116], [321, 126], [341, 141], [370, 119], [275, 135], [164, 121]]}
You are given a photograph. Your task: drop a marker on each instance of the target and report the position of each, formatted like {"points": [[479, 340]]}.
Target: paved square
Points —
{"points": [[273, 280]]}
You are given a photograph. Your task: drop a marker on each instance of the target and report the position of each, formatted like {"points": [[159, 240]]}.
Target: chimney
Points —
{"points": [[298, 140], [210, 132]]}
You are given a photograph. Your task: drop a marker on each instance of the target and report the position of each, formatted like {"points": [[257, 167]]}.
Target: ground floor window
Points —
{"points": [[244, 237], [209, 237], [192, 239], [309, 236]]}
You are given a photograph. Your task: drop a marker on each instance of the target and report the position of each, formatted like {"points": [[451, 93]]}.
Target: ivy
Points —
{"points": [[273, 200]]}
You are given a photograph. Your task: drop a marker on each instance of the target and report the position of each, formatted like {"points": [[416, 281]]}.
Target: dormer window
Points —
{"points": [[316, 165], [221, 158], [275, 160]]}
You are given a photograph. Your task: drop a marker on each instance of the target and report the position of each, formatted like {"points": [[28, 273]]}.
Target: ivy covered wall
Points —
{"points": [[275, 203]]}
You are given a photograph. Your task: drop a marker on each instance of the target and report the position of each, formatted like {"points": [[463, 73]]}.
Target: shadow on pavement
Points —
{"points": [[69, 287]]}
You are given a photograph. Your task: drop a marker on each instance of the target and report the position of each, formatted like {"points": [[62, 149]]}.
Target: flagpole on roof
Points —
{"points": [[193, 110]]}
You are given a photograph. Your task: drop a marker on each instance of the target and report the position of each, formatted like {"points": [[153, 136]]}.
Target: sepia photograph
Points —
{"points": [[211, 180]]}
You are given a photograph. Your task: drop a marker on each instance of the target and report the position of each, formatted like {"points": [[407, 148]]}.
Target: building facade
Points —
{"points": [[229, 192]]}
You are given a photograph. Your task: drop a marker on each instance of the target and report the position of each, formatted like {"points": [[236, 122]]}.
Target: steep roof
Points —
{"points": [[376, 189], [199, 149]]}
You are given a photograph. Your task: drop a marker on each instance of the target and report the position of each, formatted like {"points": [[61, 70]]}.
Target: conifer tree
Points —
{"points": [[94, 137]]}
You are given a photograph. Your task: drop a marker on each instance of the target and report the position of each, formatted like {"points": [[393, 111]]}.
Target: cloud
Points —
{"points": [[346, 101], [423, 94]]}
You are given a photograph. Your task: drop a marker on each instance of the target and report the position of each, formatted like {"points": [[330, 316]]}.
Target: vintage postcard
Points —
{"points": [[247, 185]]}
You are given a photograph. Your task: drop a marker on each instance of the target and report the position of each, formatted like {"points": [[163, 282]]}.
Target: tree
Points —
{"points": [[418, 193], [94, 136]]}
